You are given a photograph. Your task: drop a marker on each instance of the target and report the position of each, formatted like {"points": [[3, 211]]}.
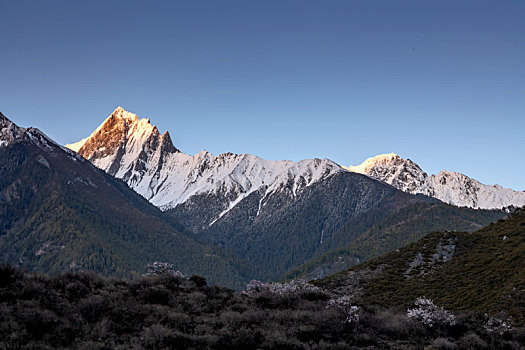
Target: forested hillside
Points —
{"points": [[480, 271], [390, 232]]}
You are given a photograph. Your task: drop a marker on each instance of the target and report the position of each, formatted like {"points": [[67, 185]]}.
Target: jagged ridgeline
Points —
{"points": [[58, 212], [481, 271]]}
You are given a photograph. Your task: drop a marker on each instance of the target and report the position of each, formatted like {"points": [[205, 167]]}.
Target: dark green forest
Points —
{"points": [[377, 234]]}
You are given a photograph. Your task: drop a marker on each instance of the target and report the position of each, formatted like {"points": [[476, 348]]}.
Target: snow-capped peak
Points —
{"points": [[125, 115], [396, 171], [10, 133], [133, 150], [372, 162], [122, 143], [119, 119], [450, 187]]}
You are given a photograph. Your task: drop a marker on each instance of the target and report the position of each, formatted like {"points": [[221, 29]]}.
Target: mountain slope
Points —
{"points": [[294, 228], [450, 187], [277, 215], [58, 212], [346, 209], [480, 271], [390, 232]]}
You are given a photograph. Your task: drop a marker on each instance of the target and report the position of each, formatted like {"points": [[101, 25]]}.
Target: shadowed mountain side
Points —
{"points": [[327, 215], [393, 231]]}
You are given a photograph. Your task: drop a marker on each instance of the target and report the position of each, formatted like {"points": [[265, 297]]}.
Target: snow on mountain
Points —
{"points": [[453, 187], [133, 150], [396, 171], [11, 133], [450, 187]]}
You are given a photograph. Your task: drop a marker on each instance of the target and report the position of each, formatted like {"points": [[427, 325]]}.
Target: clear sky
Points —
{"points": [[439, 82]]}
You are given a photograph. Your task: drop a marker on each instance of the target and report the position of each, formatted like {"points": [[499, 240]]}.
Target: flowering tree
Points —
{"points": [[343, 304], [431, 314], [497, 325], [254, 287], [162, 268]]}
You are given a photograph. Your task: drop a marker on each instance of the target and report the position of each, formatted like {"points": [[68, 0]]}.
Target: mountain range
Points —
{"points": [[277, 215], [126, 197], [133, 150]]}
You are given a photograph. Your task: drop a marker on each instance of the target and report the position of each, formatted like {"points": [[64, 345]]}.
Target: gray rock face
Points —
{"points": [[444, 251]]}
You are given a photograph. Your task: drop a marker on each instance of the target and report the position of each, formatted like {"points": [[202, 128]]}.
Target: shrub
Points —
{"points": [[198, 280], [163, 269], [497, 325], [92, 308], [294, 287], [395, 323], [156, 295], [443, 344], [156, 337], [44, 313], [431, 314], [9, 274], [344, 306], [472, 341]]}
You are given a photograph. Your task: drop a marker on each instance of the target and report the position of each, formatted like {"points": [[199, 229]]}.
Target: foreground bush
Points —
{"points": [[171, 311]]}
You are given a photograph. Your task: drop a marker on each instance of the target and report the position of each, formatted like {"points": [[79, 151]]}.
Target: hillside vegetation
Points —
{"points": [[384, 233], [480, 271]]}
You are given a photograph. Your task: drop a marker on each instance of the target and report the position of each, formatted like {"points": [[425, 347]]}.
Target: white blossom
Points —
{"points": [[431, 314], [344, 305], [162, 268], [255, 286], [497, 325]]}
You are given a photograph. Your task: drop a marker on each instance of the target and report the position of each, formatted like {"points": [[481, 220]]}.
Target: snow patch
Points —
{"points": [[44, 162]]}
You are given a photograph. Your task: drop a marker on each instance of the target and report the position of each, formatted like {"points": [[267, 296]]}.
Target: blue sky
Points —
{"points": [[439, 82]]}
